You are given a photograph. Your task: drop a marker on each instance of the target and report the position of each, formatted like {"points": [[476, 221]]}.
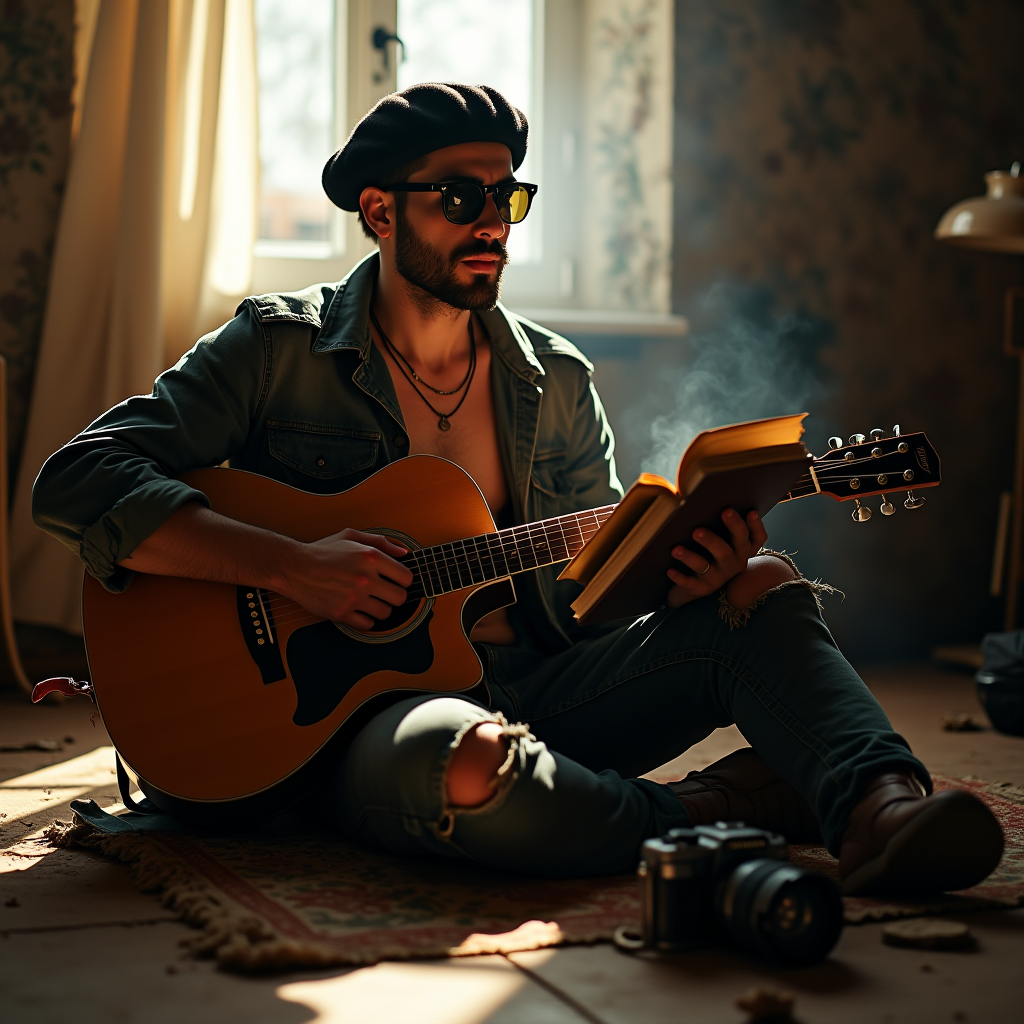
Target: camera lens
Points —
{"points": [[780, 911]]}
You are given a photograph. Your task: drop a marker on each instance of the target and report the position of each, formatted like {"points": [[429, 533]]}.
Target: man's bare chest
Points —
{"points": [[471, 440]]}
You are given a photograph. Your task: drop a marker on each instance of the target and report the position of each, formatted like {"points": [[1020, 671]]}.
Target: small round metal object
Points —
{"points": [[882, 479], [927, 933], [854, 484], [908, 475], [876, 433], [876, 453], [887, 508], [835, 442], [399, 441], [443, 424], [857, 439], [849, 457], [321, 461], [861, 514], [903, 447]]}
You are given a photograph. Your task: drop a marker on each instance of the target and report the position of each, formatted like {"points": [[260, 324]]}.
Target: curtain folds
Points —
{"points": [[154, 245]]}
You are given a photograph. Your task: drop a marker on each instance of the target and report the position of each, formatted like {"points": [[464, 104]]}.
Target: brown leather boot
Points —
{"points": [[901, 842], [741, 787]]}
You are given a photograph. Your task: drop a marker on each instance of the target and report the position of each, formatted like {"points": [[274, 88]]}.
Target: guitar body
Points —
{"points": [[212, 692]]}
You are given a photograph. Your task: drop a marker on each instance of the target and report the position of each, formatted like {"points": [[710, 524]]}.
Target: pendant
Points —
{"points": [[443, 424]]}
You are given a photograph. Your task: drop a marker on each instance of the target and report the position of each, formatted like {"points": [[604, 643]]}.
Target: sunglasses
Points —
{"points": [[463, 201]]}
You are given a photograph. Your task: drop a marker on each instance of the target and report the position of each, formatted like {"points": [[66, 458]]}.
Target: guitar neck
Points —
{"points": [[445, 568], [846, 473]]}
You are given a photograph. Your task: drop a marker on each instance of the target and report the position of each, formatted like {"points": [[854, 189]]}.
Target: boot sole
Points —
{"points": [[952, 844]]}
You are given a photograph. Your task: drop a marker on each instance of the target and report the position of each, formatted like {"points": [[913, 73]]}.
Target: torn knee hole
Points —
{"points": [[481, 757], [767, 574], [762, 575]]}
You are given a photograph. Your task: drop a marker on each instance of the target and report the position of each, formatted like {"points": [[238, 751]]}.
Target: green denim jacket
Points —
{"points": [[293, 388]]}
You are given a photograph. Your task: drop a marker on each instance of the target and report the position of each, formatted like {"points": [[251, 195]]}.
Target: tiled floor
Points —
{"points": [[79, 942]]}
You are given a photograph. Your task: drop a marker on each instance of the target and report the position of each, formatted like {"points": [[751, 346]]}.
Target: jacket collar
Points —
{"points": [[345, 323]]}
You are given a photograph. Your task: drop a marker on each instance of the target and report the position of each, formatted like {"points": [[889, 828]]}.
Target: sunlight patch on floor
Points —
{"points": [[56, 784], [457, 992]]}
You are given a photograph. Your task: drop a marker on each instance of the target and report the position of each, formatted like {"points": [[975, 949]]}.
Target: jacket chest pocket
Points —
{"points": [[324, 453], [550, 485]]}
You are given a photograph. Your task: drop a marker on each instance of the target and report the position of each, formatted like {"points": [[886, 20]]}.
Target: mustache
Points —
{"points": [[492, 248]]}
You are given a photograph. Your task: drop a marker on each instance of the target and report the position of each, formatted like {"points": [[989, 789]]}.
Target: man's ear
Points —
{"points": [[377, 208]]}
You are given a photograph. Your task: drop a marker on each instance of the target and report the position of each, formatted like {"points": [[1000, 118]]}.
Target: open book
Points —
{"points": [[745, 466]]}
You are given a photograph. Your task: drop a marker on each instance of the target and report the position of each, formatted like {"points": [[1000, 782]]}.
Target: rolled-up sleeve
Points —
{"points": [[113, 485]]}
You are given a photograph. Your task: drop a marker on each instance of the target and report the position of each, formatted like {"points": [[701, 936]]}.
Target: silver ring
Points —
{"points": [[705, 569]]}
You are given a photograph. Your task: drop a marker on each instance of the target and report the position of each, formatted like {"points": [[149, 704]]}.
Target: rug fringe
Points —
{"points": [[243, 942]]}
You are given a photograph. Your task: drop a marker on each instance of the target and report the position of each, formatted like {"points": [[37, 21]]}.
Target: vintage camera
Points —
{"points": [[733, 883]]}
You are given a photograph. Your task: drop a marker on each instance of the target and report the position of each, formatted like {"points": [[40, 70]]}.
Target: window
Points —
{"points": [[594, 77], [475, 43], [295, 63]]}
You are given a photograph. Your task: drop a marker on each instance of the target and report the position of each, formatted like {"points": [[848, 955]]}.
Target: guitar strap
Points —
{"points": [[143, 806]]}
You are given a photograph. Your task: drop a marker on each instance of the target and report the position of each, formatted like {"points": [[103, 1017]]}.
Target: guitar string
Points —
{"points": [[286, 610], [455, 566], [458, 567], [429, 563]]}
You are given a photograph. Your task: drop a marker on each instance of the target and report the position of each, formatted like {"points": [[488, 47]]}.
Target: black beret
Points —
{"points": [[409, 124]]}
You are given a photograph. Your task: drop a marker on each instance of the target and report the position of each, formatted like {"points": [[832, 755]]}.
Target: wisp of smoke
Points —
{"points": [[750, 365]]}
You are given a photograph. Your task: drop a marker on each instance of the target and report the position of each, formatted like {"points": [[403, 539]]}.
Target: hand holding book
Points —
{"points": [[722, 559], [627, 566]]}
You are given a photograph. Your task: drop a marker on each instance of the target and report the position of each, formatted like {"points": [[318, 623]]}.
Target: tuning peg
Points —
{"points": [[911, 502], [887, 507], [861, 514], [896, 430], [876, 433], [835, 442], [857, 439]]}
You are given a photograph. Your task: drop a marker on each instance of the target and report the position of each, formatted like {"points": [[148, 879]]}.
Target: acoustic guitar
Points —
{"points": [[214, 693]]}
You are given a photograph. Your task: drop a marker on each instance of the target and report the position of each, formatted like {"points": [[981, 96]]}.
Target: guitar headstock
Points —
{"points": [[877, 464]]}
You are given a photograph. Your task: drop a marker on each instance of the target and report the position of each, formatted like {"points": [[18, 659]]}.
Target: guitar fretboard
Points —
{"points": [[445, 568]]}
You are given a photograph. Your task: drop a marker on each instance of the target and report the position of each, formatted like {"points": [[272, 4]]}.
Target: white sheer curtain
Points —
{"points": [[155, 240]]}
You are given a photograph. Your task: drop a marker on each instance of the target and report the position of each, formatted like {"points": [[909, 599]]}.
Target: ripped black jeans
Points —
{"points": [[585, 723]]}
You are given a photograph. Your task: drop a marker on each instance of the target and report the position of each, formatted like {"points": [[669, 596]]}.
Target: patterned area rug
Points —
{"points": [[286, 901]]}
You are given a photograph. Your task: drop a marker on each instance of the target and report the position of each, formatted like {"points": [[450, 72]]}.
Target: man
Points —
{"points": [[411, 354]]}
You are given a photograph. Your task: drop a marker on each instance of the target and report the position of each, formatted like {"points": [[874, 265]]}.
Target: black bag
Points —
{"points": [[1001, 680]]}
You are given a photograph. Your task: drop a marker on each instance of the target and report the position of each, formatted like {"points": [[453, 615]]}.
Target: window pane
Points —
{"points": [[479, 43], [295, 58]]}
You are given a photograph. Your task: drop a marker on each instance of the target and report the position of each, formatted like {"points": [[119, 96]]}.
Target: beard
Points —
{"points": [[435, 272]]}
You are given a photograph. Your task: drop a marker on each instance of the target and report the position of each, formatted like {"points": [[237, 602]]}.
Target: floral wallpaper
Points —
{"points": [[36, 70], [817, 143], [628, 92]]}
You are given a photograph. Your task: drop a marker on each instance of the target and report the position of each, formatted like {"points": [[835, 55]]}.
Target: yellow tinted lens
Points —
{"points": [[518, 204]]}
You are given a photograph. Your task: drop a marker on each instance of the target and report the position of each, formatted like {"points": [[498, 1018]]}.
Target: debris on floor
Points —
{"points": [[928, 933], [961, 722], [767, 1004], [17, 748]]}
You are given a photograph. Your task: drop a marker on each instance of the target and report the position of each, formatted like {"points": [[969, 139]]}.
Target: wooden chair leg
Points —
{"points": [[10, 659]]}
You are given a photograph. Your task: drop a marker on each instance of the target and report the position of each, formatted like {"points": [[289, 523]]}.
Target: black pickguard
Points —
{"points": [[326, 663]]}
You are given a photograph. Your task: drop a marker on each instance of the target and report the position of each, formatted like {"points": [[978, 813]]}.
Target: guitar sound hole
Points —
{"points": [[402, 621], [399, 617]]}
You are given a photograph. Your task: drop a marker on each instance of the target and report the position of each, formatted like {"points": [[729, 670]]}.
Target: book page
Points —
{"points": [[738, 437]]}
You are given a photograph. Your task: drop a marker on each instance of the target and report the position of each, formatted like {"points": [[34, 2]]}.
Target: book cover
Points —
{"points": [[743, 466]]}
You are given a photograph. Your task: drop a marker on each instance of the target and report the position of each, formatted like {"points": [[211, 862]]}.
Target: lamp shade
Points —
{"points": [[994, 221]]}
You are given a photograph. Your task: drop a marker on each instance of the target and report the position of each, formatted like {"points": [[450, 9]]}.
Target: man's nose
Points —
{"points": [[489, 224]]}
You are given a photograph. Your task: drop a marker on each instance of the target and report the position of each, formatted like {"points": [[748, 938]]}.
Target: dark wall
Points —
{"points": [[816, 146]]}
